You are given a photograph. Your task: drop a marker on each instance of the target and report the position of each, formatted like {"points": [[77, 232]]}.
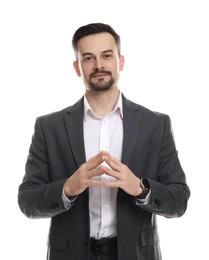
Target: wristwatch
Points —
{"points": [[144, 184]]}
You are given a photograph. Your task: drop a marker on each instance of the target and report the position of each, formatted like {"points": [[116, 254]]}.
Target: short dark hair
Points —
{"points": [[94, 28]]}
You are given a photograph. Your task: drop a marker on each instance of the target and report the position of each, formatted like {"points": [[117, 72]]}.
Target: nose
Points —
{"points": [[98, 64]]}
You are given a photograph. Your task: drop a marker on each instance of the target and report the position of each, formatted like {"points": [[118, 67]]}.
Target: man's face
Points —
{"points": [[98, 61]]}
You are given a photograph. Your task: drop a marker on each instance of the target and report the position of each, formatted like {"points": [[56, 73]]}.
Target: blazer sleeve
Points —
{"points": [[169, 190], [38, 196]]}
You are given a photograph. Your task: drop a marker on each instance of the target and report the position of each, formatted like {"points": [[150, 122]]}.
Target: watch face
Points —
{"points": [[145, 184]]}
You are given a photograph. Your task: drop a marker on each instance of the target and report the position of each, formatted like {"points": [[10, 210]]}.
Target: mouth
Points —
{"points": [[100, 74]]}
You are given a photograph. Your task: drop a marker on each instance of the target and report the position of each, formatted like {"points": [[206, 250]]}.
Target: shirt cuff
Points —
{"points": [[66, 201], [144, 201]]}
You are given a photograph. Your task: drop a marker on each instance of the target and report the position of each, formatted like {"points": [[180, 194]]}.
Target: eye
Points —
{"points": [[88, 58], [107, 56]]}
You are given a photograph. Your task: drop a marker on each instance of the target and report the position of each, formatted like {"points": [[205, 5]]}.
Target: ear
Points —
{"points": [[122, 61], [76, 67]]}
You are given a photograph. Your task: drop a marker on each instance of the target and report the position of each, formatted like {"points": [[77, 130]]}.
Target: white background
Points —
{"points": [[166, 46]]}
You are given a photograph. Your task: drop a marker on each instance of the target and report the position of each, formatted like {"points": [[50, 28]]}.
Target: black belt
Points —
{"points": [[104, 246]]}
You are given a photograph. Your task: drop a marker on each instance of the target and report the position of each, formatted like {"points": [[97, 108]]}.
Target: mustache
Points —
{"points": [[100, 71]]}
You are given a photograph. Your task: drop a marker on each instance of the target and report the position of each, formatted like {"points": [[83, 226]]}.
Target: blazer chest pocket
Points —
{"points": [[149, 237], [58, 241]]}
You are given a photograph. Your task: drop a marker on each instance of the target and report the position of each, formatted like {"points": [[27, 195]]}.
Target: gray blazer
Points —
{"points": [[56, 152]]}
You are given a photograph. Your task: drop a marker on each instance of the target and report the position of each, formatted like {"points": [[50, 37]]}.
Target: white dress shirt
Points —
{"points": [[103, 133]]}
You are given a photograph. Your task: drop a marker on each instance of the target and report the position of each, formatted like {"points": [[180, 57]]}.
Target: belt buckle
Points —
{"points": [[98, 246], [104, 246]]}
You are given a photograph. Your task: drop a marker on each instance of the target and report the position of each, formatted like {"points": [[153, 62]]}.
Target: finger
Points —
{"points": [[111, 172], [95, 161], [94, 182], [113, 162], [112, 158], [112, 184], [96, 156], [96, 172]]}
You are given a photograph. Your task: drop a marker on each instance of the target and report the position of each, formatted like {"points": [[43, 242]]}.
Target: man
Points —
{"points": [[103, 168]]}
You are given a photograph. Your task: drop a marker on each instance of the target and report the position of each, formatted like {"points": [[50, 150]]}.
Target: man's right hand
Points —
{"points": [[82, 178]]}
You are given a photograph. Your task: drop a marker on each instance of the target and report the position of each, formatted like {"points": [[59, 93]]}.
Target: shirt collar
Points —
{"points": [[118, 106]]}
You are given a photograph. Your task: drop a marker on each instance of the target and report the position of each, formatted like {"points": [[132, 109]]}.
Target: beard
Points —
{"points": [[101, 84]]}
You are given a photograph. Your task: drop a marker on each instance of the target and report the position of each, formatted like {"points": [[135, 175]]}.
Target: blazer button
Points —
{"points": [[157, 202]]}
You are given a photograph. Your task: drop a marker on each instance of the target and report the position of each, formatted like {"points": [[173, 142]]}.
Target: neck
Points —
{"points": [[103, 102]]}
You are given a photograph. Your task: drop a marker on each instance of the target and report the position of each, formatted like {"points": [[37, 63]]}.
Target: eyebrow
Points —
{"points": [[90, 53]]}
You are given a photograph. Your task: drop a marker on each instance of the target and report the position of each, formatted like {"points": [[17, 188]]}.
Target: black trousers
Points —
{"points": [[103, 257], [104, 249]]}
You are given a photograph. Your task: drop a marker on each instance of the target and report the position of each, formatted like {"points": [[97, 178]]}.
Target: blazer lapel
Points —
{"points": [[131, 124], [74, 126]]}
